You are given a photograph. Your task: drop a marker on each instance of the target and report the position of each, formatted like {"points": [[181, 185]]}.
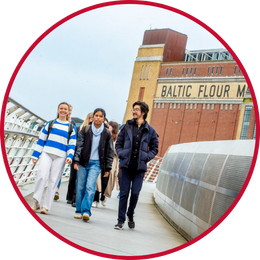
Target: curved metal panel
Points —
{"points": [[198, 182]]}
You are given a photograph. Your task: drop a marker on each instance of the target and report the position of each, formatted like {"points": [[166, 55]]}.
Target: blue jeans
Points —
{"points": [[86, 186], [59, 184]]}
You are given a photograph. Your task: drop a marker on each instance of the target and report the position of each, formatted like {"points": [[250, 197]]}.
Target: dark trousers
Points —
{"points": [[129, 176], [71, 193], [119, 176]]}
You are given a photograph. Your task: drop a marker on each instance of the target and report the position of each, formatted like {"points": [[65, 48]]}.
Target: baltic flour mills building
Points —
{"points": [[198, 95]]}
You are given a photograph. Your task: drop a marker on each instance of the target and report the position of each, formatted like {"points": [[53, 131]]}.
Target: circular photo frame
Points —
{"points": [[56, 24]]}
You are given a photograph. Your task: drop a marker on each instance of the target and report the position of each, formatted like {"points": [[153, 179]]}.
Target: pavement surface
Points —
{"points": [[152, 234]]}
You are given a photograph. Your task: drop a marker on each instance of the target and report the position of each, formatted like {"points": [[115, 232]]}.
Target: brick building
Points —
{"points": [[198, 95]]}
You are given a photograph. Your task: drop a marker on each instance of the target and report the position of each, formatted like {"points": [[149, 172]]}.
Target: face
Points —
{"points": [[70, 111], [137, 112], [98, 118], [63, 110], [90, 120]]}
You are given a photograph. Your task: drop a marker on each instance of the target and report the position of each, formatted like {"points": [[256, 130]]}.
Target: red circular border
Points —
{"points": [[105, 4]]}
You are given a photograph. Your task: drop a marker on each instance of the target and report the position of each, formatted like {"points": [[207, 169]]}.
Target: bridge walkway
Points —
{"points": [[153, 234]]}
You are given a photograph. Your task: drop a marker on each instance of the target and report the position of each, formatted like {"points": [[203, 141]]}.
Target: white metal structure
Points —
{"points": [[206, 55], [21, 132]]}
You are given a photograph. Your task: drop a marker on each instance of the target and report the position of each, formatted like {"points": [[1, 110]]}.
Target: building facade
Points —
{"points": [[193, 96]]}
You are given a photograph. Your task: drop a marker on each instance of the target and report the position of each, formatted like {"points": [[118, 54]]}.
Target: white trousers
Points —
{"points": [[50, 166]]}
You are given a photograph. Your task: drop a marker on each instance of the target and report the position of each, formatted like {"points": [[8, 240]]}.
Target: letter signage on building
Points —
{"points": [[228, 90]]}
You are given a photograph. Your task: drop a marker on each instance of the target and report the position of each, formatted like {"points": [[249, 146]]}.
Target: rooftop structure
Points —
{"points": [[207, 55]]}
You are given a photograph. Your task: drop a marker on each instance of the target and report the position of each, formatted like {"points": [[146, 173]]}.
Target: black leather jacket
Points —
{"points": [[105, 149]]}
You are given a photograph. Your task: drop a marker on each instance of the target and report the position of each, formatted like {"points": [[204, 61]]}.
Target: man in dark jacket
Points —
{"points": [[136, 145], [94, 153]]}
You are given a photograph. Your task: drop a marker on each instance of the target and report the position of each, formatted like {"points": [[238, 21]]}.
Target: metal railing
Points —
{"points": [[21, 132], [153, 169]]}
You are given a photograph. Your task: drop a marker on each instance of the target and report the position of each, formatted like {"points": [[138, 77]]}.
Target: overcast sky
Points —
{"points": [[88, 61]]}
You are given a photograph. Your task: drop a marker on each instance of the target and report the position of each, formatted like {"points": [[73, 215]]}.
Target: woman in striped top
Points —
{"points": [[55, 150]]}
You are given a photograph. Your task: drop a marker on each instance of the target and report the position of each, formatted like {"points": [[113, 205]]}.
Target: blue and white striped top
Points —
{"points": [[57, 142]]}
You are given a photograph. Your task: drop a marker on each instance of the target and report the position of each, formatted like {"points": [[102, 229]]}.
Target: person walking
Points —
{"points": [[101, 184], [57, 195], [56, 145], [136, 145], [71, 192], [113, 128], [94, 154]]}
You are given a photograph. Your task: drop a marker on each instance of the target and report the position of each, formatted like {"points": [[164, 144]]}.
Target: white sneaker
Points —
{"points": [[85, 216], [44, 210], [78, 216], [35, 206], [104, 202], [94, 204]]}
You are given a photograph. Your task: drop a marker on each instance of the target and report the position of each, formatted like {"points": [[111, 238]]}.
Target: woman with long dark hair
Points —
{"points": [[94, 154]]}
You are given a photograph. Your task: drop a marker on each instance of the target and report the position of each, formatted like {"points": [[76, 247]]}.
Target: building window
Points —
{"points": [[221, 70], [254, 133], [235, 70], [239, 72], [145, 71], [149, 72], [187, 71], [217, 71], [167, 71], [142, 72], [208, 70], [246, 122], [213, 68], [171, 72], [195, 71], [183, 71], [191, 69]]}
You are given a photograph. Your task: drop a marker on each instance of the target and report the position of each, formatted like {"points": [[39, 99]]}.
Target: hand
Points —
{"points": [[76, 167], [106, 174], [34, 161], [68, 161]]}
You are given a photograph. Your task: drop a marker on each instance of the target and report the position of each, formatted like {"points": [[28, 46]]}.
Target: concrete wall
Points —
{"points": [[199, 181]]}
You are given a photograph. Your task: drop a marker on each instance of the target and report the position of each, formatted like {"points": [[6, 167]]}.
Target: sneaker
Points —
{"points": [[73, 204], [68, 201], [131, 223], [104, 202], [85, 216], [44, 210], [119, 225], [94, 204], [35, 206], [78, 216], [56, 197]]}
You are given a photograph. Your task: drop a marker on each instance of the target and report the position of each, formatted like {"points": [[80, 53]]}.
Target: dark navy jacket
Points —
{"points": [[148, 145]]}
